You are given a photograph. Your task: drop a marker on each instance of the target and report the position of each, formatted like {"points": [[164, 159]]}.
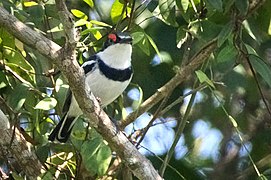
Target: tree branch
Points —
{"points": [[137, 163], [183, 74], [18, 149]]}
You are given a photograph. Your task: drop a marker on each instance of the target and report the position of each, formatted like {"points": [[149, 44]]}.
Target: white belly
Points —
{"points": [[104, 89]]}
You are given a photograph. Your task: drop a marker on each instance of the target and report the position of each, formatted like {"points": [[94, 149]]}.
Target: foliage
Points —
{"points": [[224, 126]]}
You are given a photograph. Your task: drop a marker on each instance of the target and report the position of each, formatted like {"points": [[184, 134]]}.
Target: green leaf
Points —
{"points": [[228, 6], [89, 2], [30, 3], [46, 176], [225, 33], [46, 104], [183, 5], [92, 30], [228, 53], [90, 148], [24, 75], [153, 44], [79, 14], [18, 96], [79, 131], [216, 4], [7, 39], [183, 8], [144, 45], [80, 22], [180, 37], [103, 159], [204, 78], [261, 67], [137, 37], [99, 23], [166, 12], [246, 25], [89, 152], [117, 11], [3, 80], [15, 57], [42, 152], [242, 6]]}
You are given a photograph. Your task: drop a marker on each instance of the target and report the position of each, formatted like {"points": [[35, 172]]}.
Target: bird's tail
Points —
{"points": [[63, 129]]}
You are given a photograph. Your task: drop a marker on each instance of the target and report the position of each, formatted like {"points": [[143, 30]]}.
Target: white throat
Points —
{"points": [[117, 56]]}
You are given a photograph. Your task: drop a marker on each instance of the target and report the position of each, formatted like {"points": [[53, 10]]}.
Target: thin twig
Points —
{"points": [[184, 73]]}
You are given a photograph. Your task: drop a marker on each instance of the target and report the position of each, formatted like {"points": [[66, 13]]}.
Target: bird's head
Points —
{"points": [[117, 38], [117, 50]]}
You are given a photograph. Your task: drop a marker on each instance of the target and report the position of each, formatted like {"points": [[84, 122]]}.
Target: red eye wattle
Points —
{"points": [[113, 37]]}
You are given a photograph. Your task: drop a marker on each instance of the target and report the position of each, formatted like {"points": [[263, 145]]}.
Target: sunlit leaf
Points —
{"points": [[20, 73], [56, 29], [180, 37], [183, 8], [204, 78], [89, 152], [46, 104], [92, 30], [89, 2], [7, 39], [13, 56], [20, 46], [30, 3], [79, 14], [249, 31], [166, 12], [144, 45], [117, 12], [80, 22], [3, 80], [183, 4], [103, 159], [99, 23], [233, 121]]}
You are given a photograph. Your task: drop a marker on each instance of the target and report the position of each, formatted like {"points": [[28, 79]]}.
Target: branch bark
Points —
{"points": [[184, 73], [15, 146], [64, 58]]}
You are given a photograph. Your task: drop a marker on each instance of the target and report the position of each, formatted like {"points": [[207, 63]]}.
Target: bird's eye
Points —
{"points": [[112, 38]]}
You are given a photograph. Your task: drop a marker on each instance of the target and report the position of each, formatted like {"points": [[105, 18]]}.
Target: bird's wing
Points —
{"points": [[89, 65]]}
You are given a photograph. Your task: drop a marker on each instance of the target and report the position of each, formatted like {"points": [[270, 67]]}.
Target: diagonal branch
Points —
{"points": [[65, 60], [184, 73]]}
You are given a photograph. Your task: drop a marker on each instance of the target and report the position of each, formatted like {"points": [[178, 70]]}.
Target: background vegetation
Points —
{"points": [[215, 125]]}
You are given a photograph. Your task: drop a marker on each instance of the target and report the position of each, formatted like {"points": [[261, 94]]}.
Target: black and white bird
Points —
{"points": [[108, 73]]}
